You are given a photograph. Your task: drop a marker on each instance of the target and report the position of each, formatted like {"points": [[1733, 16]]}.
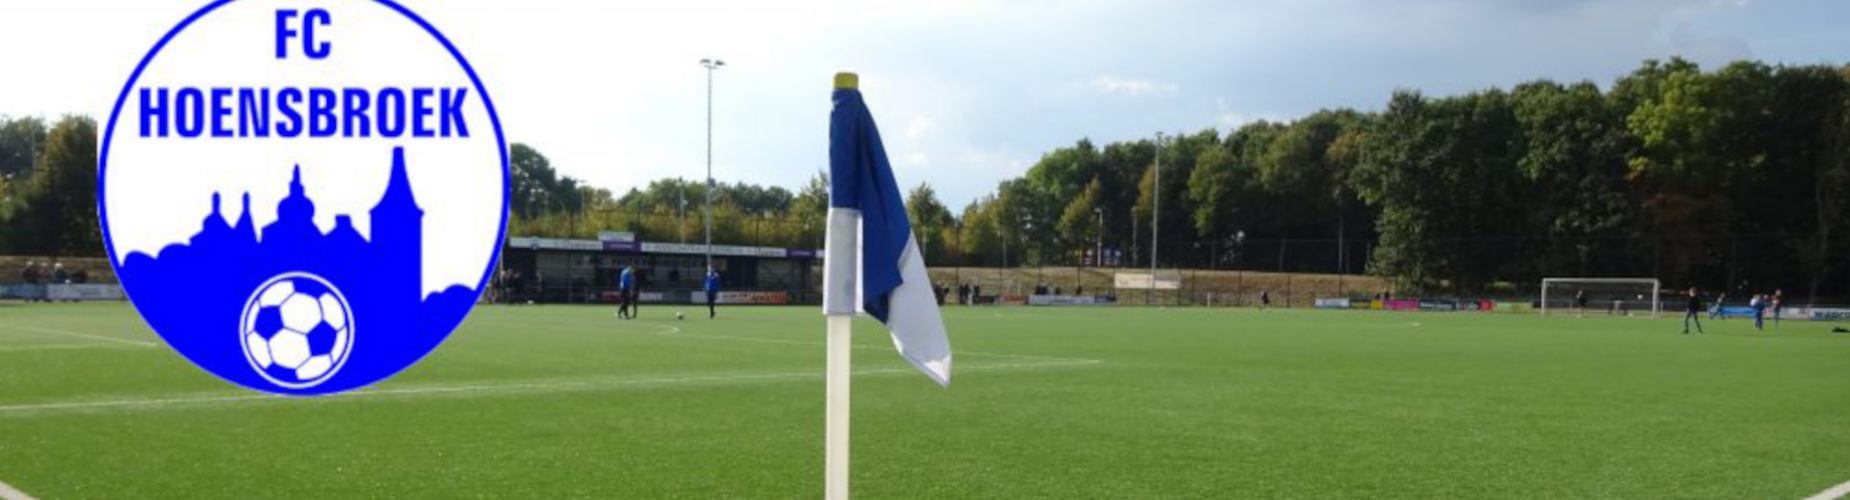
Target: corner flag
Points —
{"points": [[864, 197]]}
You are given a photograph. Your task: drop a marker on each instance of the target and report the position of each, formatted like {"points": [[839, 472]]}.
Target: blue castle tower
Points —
{"points": [[398, 224], [194, 294]]}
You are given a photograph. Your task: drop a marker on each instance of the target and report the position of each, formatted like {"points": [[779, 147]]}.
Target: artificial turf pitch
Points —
{"points": [[1054, 403]]}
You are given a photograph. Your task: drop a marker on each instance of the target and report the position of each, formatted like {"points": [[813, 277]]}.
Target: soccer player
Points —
{"points": [[1265, 299], [1759, 305], [712, 287], [626, 280], [1715, 310], [1779, 297], [635, 294], [31, 275], [1694, 312], [1580, 303]]}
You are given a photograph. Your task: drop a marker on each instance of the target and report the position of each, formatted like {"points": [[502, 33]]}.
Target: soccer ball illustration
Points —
{"points": [[297, 330]]}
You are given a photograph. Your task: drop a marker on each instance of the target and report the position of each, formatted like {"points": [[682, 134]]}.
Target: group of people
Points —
{"points": [[968, 292], [37, 273], [504, 286], [1760, 304], [628, 297]]}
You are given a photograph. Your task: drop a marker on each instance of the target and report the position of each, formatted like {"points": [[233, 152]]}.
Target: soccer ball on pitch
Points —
{"points": [[677, 315], [297, 330]]}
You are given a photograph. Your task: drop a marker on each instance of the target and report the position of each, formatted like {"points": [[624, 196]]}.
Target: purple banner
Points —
{"points": [[621, 246]]}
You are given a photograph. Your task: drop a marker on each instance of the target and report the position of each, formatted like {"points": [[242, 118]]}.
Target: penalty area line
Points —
{"points": [[68, 333], [1834, 493], [7, 492]]}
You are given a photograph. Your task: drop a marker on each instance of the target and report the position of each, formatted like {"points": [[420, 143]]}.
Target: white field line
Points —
{"points": [[1835, 493], [11, 493], [42, 347], [69, 333], [675, 331], [560, 385]]}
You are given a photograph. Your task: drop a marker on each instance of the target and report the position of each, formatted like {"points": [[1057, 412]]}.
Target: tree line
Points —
{"points": [[1736, 177], [48, 187]]}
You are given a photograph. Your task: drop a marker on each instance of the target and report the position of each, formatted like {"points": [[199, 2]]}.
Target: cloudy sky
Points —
{"points": [[967, 92]]}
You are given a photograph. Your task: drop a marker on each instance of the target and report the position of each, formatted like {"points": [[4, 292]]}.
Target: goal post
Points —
{"points": [[1620, 296]]}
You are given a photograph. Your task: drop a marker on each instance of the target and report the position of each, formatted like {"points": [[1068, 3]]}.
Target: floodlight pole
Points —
{"points": [[710, 65], [1156, 208], [1098, 253], [680, 223]]}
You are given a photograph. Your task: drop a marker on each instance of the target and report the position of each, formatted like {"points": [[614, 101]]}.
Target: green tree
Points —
{"points": [[1574, 145], [810, 209], [56, 211], [1213, 189], [929, 220], [1177, 165], [536, 188], [1079, 221], [21, 141], [1442, 172], [978, 237]]}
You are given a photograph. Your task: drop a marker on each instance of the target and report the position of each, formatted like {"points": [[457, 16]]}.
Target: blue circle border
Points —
{"points": [[494, 118]]}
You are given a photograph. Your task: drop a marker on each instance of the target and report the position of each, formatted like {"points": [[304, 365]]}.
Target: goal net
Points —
{"points": [[1615, 296]]}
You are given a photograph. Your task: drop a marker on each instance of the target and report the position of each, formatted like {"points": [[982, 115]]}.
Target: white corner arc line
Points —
{"points": [[10, 493], [68, 333], [1834, 493]]}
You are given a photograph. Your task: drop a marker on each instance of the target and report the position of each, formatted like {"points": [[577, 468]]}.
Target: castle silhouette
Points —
{"points": [[194, 294]]}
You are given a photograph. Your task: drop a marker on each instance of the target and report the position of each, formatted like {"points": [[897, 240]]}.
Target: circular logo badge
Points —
{"points": [[303, 197]]}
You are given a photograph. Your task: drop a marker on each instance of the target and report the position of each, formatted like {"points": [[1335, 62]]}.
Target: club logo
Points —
{"points": [[303, 197]]}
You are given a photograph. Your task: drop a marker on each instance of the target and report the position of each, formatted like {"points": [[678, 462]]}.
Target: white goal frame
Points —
{"points": [[1657, 299]]}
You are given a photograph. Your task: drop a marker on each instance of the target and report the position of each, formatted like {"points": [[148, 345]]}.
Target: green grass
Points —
{"points": [[567, 402]]}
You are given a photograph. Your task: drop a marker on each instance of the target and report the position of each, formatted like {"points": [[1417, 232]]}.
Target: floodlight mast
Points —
{"points": [[710, 65], [1156, 208]]}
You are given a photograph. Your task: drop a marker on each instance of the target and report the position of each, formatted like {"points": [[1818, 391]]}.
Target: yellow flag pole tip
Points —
{"points": [[847, 80]]}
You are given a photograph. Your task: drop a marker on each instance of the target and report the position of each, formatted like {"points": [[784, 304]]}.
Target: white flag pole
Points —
{"points": [[836, 442], [840, 299]]}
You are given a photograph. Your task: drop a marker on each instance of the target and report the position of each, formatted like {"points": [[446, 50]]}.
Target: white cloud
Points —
{"points": [[918, 127], [1115, 85]]}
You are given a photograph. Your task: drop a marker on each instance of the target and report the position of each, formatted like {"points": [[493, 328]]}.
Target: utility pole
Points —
{"points": [[710, 65], [1098, 253], [1156, 209], [680, 223]]}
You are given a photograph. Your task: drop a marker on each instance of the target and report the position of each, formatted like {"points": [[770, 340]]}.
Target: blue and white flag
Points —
{"points": [[889, 283]]}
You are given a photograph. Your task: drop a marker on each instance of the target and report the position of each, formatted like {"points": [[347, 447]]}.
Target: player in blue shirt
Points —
{"points": [[711, 285], [1759, 304], [626, 293]]}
